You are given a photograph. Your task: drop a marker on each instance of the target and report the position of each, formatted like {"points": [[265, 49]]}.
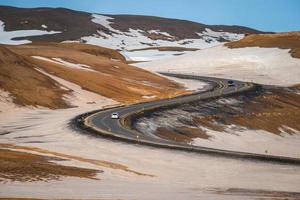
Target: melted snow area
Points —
{"points": [[7, 37], [232, 138], [136, 39], [269, 66]]}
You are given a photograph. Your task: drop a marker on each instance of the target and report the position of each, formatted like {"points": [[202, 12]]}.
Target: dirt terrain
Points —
{"points": [[25, 84], [289, 40], [181, 134], [108, 75], [15, 153], [275, 110], [27, 167]]}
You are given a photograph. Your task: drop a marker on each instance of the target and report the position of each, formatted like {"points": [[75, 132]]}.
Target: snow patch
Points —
{"points": [[104, 21], [150, 54], [149, 96], [208, 33], [6, 104], [80, 97], [190, 84], [6, 37], [158, 32], [66, 63]]}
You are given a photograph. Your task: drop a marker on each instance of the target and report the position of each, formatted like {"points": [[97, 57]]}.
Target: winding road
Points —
{"points": [[100, 122]]}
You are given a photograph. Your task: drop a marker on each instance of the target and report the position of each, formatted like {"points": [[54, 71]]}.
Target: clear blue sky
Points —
{"points": [[266, 15]]}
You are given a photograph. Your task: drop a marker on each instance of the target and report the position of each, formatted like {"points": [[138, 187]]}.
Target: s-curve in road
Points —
{"points": [[101, 123]]}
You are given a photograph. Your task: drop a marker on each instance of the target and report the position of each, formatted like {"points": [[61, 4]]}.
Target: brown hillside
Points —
{"points": [[88, 48], [289, 40], [72, 24], [25, 84], [110, 78], [27, 167]]}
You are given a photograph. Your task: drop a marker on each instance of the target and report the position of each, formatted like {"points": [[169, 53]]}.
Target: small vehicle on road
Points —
{"points": [[230, 83], [115, 116]]}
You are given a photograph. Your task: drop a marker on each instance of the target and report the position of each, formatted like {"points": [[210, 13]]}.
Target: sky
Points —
{"points": [[265, 15]]}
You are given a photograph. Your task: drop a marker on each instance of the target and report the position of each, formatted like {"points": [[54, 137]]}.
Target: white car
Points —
{"points": [[115, 116]]}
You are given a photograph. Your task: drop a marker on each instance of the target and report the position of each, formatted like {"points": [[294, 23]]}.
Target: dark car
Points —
{"points": [[230, 83]]}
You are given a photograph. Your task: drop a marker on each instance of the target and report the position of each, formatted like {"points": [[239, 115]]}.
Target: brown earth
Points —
{"points": [[271, 111], [167, 49], [27, 167], [99, 163], [25, 84], [289, 40], [208, 122], [181, 134], [113, 79]]}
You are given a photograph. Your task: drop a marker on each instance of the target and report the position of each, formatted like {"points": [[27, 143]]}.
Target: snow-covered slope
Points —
{"points": [[136, 38], [261, 65], [121, 32]]}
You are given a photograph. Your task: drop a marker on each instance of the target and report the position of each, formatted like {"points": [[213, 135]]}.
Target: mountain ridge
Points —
{"points": [[74, 24]]}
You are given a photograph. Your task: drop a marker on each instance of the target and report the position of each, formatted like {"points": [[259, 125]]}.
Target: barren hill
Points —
{"points": [[114, 31], [46, 75]]}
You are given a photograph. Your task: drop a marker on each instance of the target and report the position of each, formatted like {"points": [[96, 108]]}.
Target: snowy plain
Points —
{"points": [[270, 66], [177, 175]]}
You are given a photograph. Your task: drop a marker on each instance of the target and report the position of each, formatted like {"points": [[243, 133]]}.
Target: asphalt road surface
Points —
{"points": [[101, 123]]}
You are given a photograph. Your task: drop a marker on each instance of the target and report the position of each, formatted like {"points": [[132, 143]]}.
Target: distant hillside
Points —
{"points": [[122, 32]]}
